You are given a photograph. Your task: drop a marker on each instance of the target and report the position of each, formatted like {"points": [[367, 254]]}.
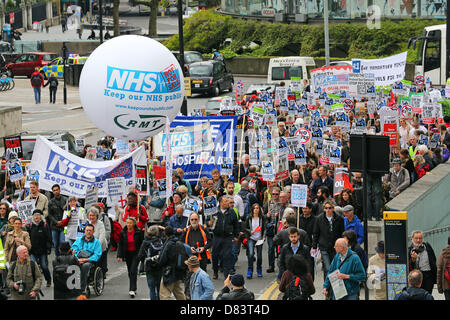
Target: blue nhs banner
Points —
{"points": [[136, 81], [223, 131], [356, 64]]}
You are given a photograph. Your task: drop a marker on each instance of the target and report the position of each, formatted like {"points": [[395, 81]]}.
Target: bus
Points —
{"points": [[431, 53], [285, 68]]}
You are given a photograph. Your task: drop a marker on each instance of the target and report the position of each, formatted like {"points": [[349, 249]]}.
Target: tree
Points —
{"points": [[153, 4], [116, 4]]}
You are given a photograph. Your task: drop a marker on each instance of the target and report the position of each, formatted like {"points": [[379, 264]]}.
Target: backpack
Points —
{"points": [[53, 83], [36, 80], [181, 256], [153, 250], [297, 289], [447, 273], [33, 272]]}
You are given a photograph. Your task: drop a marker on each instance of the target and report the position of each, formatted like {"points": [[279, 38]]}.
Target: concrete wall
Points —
{"points": [[81, 47], [428, 205], [10, 121]]}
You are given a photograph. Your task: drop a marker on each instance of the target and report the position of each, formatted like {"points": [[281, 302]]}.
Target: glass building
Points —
{"points": [[303, 10]]}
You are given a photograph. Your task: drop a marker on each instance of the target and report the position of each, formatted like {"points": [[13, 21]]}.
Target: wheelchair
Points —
{"points": [[95, 280]]}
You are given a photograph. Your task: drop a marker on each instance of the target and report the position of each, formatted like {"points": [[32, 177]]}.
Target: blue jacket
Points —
{"points": [[201, 286], [356, 226], [178, 222], [93, 247], [353, 267]]}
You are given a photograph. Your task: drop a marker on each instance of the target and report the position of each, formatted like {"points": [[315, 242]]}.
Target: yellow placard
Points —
{"points": [[187, 87], [395, 215]]}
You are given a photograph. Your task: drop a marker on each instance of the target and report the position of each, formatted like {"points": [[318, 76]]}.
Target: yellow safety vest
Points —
{"points": [[2, 257]]}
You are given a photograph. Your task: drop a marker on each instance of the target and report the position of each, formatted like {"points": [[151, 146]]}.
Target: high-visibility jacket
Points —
{"points": [[412, 151], [2, 257], [448, 81], [208, 255]]}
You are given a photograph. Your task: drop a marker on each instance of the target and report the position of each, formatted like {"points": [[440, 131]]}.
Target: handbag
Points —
{"points": [[83, 254]]}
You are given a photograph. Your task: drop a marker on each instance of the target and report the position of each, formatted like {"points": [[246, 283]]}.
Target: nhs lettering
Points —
{"points": [[143, 81]]}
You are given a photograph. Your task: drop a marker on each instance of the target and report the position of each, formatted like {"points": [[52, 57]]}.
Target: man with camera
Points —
{"points": [[422, 258], [88, 250], [199, 239], [24, 277]]}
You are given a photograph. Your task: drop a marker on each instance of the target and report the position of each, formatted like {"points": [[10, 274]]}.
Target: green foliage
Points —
{"points": [[10, 6], [207, 30]]}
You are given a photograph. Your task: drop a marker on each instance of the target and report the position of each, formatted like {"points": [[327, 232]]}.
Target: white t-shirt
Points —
{"points": [[255, 224]]}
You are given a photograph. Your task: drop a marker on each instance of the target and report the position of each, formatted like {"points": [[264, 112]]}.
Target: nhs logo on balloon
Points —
{"points": [[166, 81]]}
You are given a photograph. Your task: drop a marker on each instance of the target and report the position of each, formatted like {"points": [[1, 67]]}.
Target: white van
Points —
{"points": [[285, 68]]}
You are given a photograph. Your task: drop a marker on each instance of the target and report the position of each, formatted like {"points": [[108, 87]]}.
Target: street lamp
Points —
{"points": [[181, 45], [64, 54], [100, 5]]}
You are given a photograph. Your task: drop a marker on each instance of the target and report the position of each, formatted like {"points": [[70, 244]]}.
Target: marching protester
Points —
{"points": [[200, 285], [198, 239], [255, 228], [131, 210], [41, 243], [16, 238], [130, 242], [40, 200], [297, 282], [99, 233], [24, 276], [234, 289], [55, 216], [74, 219], [61, 288]]}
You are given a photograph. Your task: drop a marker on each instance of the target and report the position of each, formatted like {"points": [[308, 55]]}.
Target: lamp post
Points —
{"points": [[181, 49], [100, 7], [64, 54], [327, 36]]}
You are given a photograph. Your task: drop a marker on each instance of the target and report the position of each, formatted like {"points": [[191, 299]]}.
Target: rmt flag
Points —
{"points": [[141, 176]]}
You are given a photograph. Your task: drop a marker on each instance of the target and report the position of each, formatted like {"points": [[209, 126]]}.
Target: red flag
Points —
{"points": [[392, 100]]}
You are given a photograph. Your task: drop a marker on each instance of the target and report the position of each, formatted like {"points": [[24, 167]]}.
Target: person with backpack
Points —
{"points": [[350, 270], [24, 277], [41, 243], [149, 253], [63, 265], [173, 274], [130, 242], [443, 271], [296, 282], [53, 82], [414, 291], [37, 81]]}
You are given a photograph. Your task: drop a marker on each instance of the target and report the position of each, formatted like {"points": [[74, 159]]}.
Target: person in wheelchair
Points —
{"points": [[88, 250]]}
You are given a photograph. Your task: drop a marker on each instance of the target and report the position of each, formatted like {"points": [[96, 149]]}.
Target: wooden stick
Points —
{"points": [[298, 217], [240, 150]]}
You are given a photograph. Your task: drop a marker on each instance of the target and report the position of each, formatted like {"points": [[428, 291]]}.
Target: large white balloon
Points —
{"points": [[129, 85]]}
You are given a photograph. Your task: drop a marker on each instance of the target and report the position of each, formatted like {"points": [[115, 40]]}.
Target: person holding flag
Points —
{"points": [[131, 210]]}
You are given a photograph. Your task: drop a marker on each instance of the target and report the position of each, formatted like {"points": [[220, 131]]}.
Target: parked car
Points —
{"points": [[213, 105], [25, 63], [210, 77], [57, 65], [7, 51], [189, 58]]}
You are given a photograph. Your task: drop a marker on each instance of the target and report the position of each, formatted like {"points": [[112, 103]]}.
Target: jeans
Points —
{"points": [[57, 238], [53, 94], [326, 262], [221, 248], [84, 277], [37, 94], [271, 252], [251, 254], [235, 249], [153, 285], [42, 261], [374, 187]]}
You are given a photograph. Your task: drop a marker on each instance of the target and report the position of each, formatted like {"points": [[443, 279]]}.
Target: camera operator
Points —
{"points": [[422, 258], [24, 277]]}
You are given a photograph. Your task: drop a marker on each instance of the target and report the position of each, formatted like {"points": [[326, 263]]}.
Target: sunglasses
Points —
{"points": [[275, 194], [194, 219]]}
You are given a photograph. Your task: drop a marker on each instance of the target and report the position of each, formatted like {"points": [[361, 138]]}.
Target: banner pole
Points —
{"points": [[298, 217], [240, 150]]}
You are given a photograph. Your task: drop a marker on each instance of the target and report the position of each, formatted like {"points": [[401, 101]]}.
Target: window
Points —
{"points": [[201, 70], [433, 51], [192, 57], [48, 57], [286, 73], [22, 58], [32, 57]]}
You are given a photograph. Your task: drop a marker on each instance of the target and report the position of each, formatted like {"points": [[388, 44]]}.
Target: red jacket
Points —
{"points": [[37, 73], [132, 212], [422, 170]]}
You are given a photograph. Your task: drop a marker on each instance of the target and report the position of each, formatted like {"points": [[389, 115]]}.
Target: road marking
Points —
{"points": [[269, 291]]}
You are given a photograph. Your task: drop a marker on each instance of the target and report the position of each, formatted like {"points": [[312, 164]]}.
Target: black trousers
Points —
{"points": [[132, 264], [428, 281], [53, 94]]}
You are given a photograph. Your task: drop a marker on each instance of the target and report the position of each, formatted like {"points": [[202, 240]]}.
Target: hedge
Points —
{"points": [[207, 30]]}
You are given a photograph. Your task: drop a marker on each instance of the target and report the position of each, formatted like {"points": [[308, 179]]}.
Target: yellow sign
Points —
{"points": [[187, 87], [395, 215]]}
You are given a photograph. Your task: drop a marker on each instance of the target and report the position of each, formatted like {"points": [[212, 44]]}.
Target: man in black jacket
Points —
{"points": [[238, 292], [328, 228], [422, 258], [66, 270], [225, 227], [55, 215], [295, 246], [198, 239], [41, 243], [323, 180]]}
